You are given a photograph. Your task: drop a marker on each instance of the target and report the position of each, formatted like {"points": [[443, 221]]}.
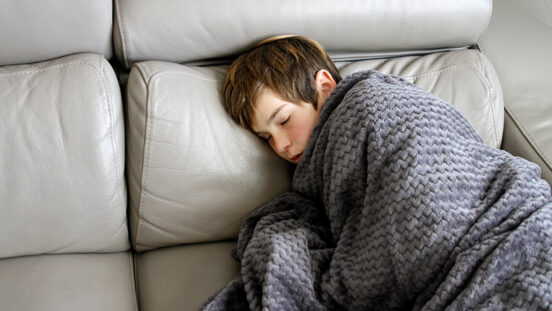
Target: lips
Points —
{"points": [[297, 157]]}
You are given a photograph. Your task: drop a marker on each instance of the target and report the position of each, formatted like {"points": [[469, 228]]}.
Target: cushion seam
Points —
{"points": [[122, 32], [157, 74], [527, 136], [489, 85], [49, 67], [489, 16], [134, 283], [146, 81], [112, 128]]}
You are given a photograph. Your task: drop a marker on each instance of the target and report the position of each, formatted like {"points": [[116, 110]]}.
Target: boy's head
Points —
{"points": [[277, 89]]}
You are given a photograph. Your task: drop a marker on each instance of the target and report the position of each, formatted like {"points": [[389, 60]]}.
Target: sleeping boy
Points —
{"points": [[278, 89], [395, 203]]}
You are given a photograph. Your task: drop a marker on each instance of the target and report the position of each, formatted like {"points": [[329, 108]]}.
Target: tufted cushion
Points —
{"points": [[62, 185]]}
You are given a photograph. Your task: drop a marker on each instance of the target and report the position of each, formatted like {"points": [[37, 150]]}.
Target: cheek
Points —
{"points": [[301, 130]]}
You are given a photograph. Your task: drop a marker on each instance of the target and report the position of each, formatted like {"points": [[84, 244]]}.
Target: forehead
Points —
{"points": [[266, 106], [266, 99]]}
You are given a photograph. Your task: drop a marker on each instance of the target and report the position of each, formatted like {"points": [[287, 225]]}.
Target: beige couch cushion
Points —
{"points": [[62, 186], [68, 282], [183, 277], [464, 78], [519, 43], [33, 31], [185, 31], [194, 175]]}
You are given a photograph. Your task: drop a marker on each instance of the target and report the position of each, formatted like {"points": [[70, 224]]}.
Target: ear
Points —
{"points": [[324, 83]]}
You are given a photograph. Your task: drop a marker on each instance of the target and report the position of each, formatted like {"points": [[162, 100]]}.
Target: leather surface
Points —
{"points": [[193, 174], [183, 277], [184, 31], [516, 142], [466, 79], [68, 282], [33, 31], [62, 186], [518, 44]]}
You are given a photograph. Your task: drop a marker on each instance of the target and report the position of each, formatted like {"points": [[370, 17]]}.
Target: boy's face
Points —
{"points": [[284, 125]]}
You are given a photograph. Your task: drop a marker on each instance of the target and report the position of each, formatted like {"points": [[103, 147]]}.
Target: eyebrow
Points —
{"points": [[272, 116]]}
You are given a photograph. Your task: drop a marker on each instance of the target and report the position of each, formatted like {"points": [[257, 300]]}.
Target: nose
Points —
{"points": [[281, 144]]}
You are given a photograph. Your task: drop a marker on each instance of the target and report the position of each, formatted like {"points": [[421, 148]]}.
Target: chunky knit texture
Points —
{"points": [[397, 204]]}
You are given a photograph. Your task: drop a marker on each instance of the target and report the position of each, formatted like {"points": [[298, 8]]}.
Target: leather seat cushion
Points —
{"points": [[183, 277], [68, 282]]}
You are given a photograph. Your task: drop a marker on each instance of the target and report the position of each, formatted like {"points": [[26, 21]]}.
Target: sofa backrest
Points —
{"points": [[191, 31], [193, 174], [34, 31], [62, 186]]}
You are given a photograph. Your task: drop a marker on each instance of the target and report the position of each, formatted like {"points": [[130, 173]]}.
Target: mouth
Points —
{"points": [[297, 157]]}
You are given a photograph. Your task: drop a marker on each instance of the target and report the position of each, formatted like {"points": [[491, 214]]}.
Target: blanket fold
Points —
{"points": [[397, 204]]}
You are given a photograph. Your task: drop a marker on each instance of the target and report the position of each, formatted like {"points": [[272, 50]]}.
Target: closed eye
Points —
{"points": [[286, 120]]}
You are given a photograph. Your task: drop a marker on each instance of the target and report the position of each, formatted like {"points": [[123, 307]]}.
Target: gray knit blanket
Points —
{"points": [[397, 204]]}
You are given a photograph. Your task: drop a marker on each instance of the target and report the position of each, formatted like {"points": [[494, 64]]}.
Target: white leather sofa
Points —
{"points": [[123, 182]]}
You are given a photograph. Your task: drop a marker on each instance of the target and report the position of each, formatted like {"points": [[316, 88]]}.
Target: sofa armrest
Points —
{"points": [[517, 43]]}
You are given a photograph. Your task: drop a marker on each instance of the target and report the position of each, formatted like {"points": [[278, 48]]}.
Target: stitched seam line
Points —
{"points": [[158, 74], [29, 71], [113, 145], [490, 91], [109, 107], [439, 71]]}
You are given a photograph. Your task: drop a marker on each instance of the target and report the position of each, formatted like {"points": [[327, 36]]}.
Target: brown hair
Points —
{"points": [[287, 65]]}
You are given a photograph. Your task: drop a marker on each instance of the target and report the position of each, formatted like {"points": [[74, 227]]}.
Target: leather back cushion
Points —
{"points": [[188, 31], [33, 31], [194, 175], [464, 78], [62, 183]]}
